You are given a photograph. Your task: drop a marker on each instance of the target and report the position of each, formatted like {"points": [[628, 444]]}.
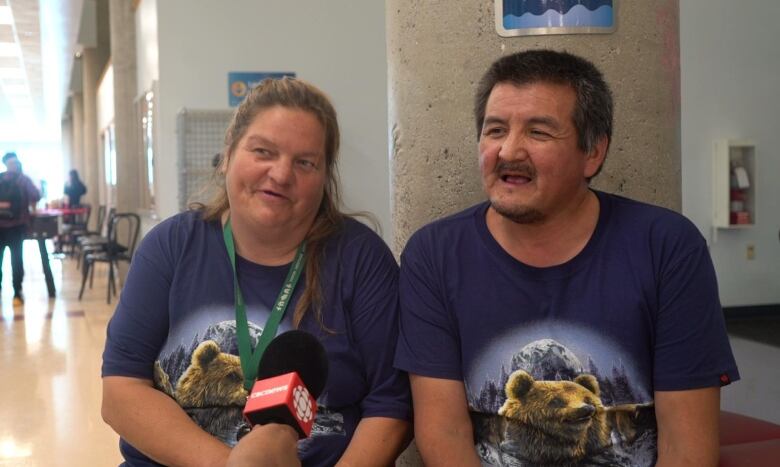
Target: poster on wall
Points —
{"points": [[241, 82], [543, 17]]}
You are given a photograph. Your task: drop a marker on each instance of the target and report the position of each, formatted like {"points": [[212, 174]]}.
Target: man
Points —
{"points": [[555, 324], [17, 193]]}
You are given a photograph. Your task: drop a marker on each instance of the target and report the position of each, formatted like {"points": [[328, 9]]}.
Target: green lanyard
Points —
{"points": [[249, 359]]}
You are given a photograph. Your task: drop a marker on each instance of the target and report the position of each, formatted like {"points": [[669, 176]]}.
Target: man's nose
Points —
{"points": [[513, 147]]}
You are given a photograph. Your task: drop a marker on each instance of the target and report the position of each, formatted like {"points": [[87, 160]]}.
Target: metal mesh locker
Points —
{"points": [[200, 135]]}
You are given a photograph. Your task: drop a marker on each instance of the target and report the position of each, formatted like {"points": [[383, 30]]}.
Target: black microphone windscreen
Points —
{"points": [[296, 351]]}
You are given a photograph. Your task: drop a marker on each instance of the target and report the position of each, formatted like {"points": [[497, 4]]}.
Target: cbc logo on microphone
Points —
{"points": [[302, 402]]}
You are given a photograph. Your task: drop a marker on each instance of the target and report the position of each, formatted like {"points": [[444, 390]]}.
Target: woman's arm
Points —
{"points": [[155, 424], [377, 441], [271, 445]]}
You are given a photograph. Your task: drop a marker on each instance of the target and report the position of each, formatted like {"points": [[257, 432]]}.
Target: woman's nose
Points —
{"points": [[281, 171]]}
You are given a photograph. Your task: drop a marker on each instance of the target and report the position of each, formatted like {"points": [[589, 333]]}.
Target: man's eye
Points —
{"points": [[494, 131], [261, 151], [539, 134]]}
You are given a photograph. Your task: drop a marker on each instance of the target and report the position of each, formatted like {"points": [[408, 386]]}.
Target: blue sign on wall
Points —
{"points": [[539, 17], [240, 83]]}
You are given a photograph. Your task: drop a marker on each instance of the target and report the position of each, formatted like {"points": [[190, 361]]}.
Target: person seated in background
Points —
{"points": [[554, 324], [205, 286], [18, 195], [74, 189]]}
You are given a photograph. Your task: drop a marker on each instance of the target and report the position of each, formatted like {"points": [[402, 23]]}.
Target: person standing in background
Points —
{"points": [[17, 194], [74, 189]]}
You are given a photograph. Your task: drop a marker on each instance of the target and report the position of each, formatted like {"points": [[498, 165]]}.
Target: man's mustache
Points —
{"points": [[523, 169]]}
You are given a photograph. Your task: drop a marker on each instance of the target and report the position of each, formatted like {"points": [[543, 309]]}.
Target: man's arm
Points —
{"points": [[155, 424], [377, 442], [688, 427], [442, 425]]}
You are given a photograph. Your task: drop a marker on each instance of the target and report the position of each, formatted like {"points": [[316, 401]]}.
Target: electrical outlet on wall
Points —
{"points": [[751, 251]]}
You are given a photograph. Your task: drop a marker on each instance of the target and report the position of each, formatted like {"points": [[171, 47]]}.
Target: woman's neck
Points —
{"points": [[269, 247]]}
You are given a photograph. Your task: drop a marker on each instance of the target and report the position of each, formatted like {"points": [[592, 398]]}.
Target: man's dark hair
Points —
{"points": [[9, 155], [593, 106]]}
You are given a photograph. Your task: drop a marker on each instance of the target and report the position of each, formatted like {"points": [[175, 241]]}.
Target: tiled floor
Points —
{"points": [[50, 355]]}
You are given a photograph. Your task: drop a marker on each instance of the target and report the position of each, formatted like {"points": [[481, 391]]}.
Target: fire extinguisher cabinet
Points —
{"points": [[734, 184]]}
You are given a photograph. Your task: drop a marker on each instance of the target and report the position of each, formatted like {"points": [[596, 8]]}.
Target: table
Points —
{"points": [[43, 226], [45, 223]]}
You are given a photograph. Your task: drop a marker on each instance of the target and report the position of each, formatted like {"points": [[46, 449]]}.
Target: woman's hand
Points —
{"points": [[271, 445]]}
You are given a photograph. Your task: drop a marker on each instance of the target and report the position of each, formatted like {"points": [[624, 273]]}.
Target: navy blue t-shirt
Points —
{"points": [[175, 325], [560, 363]]}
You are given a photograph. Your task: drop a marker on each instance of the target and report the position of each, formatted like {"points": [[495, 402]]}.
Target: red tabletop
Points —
{"points": [[60, 211]]}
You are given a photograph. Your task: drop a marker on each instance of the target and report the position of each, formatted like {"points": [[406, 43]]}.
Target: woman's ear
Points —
{"points": [[223, 163]]}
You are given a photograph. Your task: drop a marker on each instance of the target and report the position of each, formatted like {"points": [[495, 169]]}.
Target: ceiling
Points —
{"points": [[37, 45]]}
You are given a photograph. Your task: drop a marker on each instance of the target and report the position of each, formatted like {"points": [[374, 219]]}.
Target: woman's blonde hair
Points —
{"points": [[294, 94]]}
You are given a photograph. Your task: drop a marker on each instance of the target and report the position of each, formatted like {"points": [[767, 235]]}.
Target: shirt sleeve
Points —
{"points": [[429, 341], [374, 324], [33, 195], [691, 344], [139, 327]]}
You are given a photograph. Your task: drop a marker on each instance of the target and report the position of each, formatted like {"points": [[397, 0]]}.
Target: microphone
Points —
{"points": [[291, 375]]}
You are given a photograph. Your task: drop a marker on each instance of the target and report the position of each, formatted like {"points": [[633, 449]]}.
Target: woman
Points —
{"points": [[175, 377], [74, 189]]}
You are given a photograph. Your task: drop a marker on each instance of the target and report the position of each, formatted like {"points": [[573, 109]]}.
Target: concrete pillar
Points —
{"points": [[66, 130], [436, 56], [77, 126], [91, 169], [123, 58]]}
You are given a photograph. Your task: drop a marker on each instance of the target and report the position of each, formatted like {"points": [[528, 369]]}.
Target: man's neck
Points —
{"points": [[555, 240]]}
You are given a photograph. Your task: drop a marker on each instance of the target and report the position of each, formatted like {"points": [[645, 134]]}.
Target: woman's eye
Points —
{"points": [[307, 164], [261, 151]]}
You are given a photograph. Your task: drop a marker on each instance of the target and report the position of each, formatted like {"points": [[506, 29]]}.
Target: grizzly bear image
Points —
{"points": [[553, 422], [210, 390]]}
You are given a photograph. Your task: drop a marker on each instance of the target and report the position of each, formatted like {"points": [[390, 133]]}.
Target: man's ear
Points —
{"points": [[595, 158]]}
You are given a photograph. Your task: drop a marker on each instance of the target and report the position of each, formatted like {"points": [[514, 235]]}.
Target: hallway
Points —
{"points": [[50, 356]]}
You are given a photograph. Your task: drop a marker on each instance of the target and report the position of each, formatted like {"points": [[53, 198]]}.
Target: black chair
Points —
{"points": [[72, 223], [78, 231], [122, 237], [93, 241]]}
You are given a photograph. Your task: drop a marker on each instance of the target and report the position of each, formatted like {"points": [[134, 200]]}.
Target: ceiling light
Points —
{"points": [[11, 73], [6, 17], [9, 49]]}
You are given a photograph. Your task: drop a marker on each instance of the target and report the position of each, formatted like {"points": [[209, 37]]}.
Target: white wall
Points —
{"points": [[337, 45], [730, 66]]}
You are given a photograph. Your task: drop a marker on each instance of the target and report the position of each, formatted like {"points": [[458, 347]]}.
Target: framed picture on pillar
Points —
{"points": [[544, 17]]}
